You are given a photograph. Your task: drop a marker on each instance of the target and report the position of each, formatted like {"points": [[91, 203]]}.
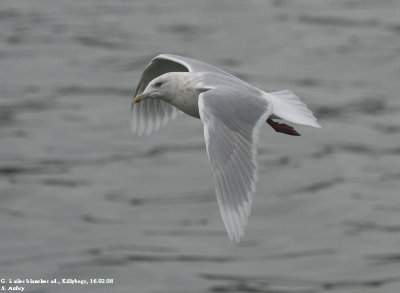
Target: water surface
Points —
{"points": [[80, 197]]}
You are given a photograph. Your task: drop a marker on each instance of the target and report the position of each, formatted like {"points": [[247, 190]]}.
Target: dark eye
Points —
{"points": [[158, 84]]}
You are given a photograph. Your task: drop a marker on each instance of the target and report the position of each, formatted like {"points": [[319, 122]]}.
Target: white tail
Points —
{"points": [[288, 106]]}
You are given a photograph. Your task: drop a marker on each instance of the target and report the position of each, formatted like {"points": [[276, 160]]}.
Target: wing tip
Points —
{"points": [[236, 220], [146, 121]]}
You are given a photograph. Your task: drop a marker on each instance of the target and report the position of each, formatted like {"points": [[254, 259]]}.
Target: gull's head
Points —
{"points": [[159, 88], [170, 85]]}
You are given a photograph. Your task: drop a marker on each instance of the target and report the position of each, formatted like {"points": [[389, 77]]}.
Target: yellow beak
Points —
{"points": [[140, 97]]}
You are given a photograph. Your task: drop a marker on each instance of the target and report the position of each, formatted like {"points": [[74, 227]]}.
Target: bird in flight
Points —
{"points": [[232, 112]]}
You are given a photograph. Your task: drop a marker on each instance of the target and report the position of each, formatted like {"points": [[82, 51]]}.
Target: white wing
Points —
{"points": [[152, 113], [232, 120]]}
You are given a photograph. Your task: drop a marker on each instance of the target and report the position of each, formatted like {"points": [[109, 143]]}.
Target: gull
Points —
{"points": [[232, 112]]}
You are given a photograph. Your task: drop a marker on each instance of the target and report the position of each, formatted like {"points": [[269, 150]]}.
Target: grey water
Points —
{"points": [[81, 197]]}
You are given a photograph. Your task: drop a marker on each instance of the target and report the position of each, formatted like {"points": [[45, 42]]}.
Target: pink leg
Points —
{"points": [[281, 127]]}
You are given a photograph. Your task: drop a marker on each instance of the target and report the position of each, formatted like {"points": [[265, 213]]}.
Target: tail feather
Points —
{"points": [[288, 106]]}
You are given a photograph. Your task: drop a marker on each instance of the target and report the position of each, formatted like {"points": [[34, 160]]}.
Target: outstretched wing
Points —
{"points": [[152, 113], [232, 120], [173, 63]]}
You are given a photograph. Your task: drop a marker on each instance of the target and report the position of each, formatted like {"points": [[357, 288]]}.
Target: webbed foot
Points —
{"points": [[281, 127]]}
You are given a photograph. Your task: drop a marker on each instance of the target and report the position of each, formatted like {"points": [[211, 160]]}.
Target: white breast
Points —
{"points": [[186, 94]]}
